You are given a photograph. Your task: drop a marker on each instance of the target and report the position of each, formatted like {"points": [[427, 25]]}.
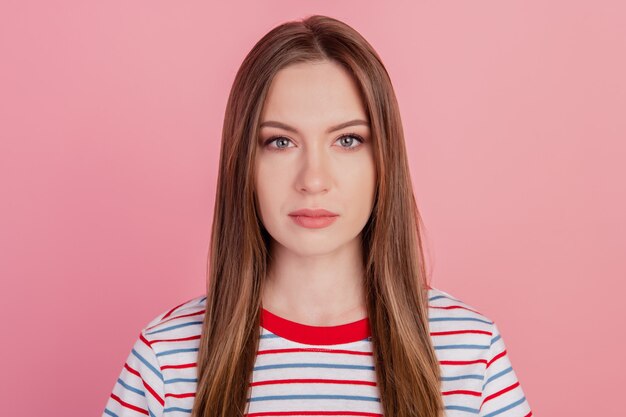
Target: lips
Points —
{"points": [[313, 218], [313, 213]]}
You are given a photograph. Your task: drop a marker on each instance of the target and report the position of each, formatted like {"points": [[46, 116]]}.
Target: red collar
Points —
{"points": [[315, 335]]}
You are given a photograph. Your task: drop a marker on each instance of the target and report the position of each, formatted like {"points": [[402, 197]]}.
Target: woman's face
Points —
{"points": [[305, 161]]}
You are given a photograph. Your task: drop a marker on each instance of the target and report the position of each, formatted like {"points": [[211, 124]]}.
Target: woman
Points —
{"points": [[317, 300]]}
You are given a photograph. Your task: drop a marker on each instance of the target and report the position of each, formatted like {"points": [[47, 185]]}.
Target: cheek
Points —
{"points": [[270, 187], [263, 176], [366, 188], [366, 191], [362, 178], [261, 188]]}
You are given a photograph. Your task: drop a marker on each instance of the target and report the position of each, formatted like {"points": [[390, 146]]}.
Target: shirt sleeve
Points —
{"points": [[139, 389], [502, 394]]}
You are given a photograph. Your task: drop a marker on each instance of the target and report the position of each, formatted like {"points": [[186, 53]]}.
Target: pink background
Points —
{"points": [[110, 121]]}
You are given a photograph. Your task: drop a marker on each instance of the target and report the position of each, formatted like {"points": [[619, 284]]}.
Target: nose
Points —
{"points": [[314, 175]]}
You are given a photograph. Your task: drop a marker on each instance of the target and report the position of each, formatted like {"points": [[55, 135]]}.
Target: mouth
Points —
{"points": [[313, 222], [320, 212]]}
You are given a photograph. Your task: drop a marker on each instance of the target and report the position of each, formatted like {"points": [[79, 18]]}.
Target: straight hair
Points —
{"points": [[395, 281]]}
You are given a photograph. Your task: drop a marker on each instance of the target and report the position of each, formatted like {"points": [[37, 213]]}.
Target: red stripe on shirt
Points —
{"points": [[173, 310], [461, 391], [495, 358], [181, 316], [314, 413], [320, 350], [497, 394], [128, 405], [455, 307], [184, 395], [131, 370], [461, 332], [180, 339], [153, 392], [463, 362], [181, 366], [145, 384], [145, 341]]}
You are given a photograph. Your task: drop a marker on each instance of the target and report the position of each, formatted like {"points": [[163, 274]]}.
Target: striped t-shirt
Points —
{"points": [[303, 370]]}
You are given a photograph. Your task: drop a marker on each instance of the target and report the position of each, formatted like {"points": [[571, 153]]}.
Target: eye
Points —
{"points": [[278, 140], [350, 137], [347, 139]]}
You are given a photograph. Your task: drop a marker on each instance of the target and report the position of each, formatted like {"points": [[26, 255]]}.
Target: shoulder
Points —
{"points": [[165, 350], [473, 358], [183, 320], [443, 304], [451, 318]]}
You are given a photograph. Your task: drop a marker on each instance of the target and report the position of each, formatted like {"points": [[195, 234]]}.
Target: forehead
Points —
{"points": [[319, 92]]}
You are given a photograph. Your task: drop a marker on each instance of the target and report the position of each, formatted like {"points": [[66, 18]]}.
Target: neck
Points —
{"points": [[320, 290]]}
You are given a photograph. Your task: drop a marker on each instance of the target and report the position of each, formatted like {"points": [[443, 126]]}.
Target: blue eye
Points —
{"points": [[349, 136], [352, 136], [278, 139]]}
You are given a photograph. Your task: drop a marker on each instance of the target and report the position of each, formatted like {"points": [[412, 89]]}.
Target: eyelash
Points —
{"points": [[349, 149]]}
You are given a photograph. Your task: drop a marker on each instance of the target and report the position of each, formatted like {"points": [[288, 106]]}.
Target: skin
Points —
{"points": [[315, 275]]}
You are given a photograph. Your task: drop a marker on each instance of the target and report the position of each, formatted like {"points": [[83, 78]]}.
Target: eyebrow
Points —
{"points": [[355, 122]]}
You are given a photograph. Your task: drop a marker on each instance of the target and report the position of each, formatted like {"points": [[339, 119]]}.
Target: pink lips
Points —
{"points": [[313, 218], [312, 213]]}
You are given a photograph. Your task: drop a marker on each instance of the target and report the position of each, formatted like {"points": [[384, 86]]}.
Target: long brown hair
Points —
{"points": [[395, 281]]}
